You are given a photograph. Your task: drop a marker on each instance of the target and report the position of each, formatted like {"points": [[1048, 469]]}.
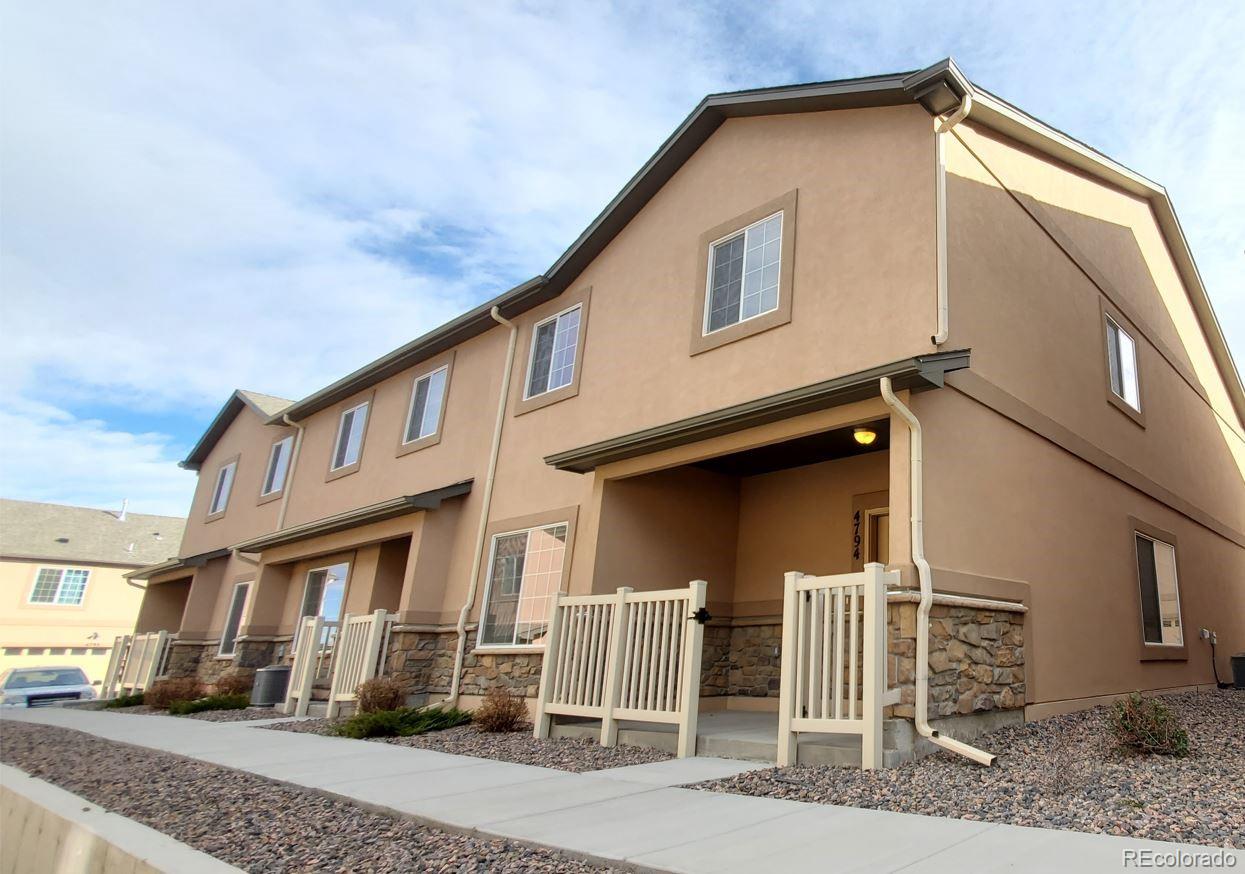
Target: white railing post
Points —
{"points": [[157, 656], [874, 679], [548, 669], [115, 659], [340, 666], [300, 686], [614, 654], [689, 706], [786, 683]]}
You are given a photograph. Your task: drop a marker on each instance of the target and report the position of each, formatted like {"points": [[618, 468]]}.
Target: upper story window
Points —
{"points": [[525, 572], [233, 621], [221, 489], [554, 343], [1122, 364], [1160, 595], [423, 420], [349, 443], [278, 466], [743, 274], [63, 586]]}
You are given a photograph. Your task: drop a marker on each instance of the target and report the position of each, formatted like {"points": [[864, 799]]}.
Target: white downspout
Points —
{"points": [[927, 587], [942, 125], [460, 653], [289, 473]]}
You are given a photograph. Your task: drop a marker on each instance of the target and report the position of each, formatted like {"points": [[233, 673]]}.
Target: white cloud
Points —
{"points": [[203, 197], [82, 462]]}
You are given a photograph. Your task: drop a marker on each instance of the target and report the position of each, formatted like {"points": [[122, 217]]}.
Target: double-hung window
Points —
{"points": [[525, 571], [744, 271], [221, 489], [349, 445], [423, 420], [1122, 364], [1160, 595], [63, 586], [554, 344], [233, 621], [278, 467]]}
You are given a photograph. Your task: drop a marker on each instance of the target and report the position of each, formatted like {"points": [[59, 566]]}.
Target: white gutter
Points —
{"points": [[487, 500], [289, 473], [942, 125], [925, 576]]}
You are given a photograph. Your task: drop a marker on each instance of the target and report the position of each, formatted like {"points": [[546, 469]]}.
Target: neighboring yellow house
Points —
{"points": [[63, 596]]}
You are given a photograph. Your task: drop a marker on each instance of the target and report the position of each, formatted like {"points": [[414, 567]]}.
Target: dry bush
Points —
{"points": [[165, 692], [501, 710], [1148, 725], [381, 693], [234, 684]]}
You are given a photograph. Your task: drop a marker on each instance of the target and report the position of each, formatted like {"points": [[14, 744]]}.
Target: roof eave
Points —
{"points": [[915, 374]]}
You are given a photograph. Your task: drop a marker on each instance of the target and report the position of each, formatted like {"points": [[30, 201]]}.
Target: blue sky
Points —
{"points": [[335, 179]]}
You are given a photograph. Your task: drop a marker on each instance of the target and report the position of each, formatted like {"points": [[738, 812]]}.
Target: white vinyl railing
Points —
{"points": [[834, 659], [360, 655], [135, 662], [313, 661], [631, 655]]}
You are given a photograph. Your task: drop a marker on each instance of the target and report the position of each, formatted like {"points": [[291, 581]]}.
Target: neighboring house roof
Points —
{"points": [[55, 532], [267, 407], [938, 88]]}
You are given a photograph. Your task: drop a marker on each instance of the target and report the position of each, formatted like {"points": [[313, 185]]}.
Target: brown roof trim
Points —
{"points": [[173, 564], [916, 374], [429, 500], [237, 402]]}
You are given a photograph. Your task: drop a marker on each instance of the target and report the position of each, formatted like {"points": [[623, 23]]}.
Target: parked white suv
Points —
{"points": [[42, 687]]}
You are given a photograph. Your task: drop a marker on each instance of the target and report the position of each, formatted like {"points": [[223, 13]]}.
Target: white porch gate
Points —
{"points": [[135, 662], [631, 655], [341, 654], [834, 659]]}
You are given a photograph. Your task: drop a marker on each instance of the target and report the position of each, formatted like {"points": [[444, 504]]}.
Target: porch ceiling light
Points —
{"points": [[864, 436]]}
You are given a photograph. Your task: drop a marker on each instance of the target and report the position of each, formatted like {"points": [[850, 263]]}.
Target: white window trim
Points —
{"points": [[1136, 365], [1176, 580], [531, 354], [488, 588], [59, 583], [246, 602], [410, 407], [341, 421], [704, 324], [298, 628], [220, 473], [272, 457]]}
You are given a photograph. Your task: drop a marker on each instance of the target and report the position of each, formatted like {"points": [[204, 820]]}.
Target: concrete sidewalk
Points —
{"points": [[632, 815]]}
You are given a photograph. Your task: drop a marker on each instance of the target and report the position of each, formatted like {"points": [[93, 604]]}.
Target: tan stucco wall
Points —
{"points": [[163, 605], [109, 609], [248, 438], [1002, 501]]}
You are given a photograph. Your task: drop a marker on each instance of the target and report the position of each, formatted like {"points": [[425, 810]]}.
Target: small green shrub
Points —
{"points": [[402, 722], [165, 692], [500, 711], [234, 684], [124, 701], [211, 702], [1148, 725], [380, 693]]}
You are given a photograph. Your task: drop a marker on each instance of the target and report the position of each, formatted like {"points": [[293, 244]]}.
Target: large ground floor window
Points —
{"points": [[525, 571]]}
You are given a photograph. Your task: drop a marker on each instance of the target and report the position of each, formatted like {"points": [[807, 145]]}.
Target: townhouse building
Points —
{"points": [[889, 320]]}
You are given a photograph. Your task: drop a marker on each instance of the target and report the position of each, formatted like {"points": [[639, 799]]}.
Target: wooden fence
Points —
{"points": [[631, 655]]}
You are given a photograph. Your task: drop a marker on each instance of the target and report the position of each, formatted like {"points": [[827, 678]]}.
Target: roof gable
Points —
{"points": [[267, 407]]}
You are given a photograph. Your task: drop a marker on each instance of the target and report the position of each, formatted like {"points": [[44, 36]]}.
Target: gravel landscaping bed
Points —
{"points": [[565, 754], [1062, 772], [245, 715], [253, 823]]}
